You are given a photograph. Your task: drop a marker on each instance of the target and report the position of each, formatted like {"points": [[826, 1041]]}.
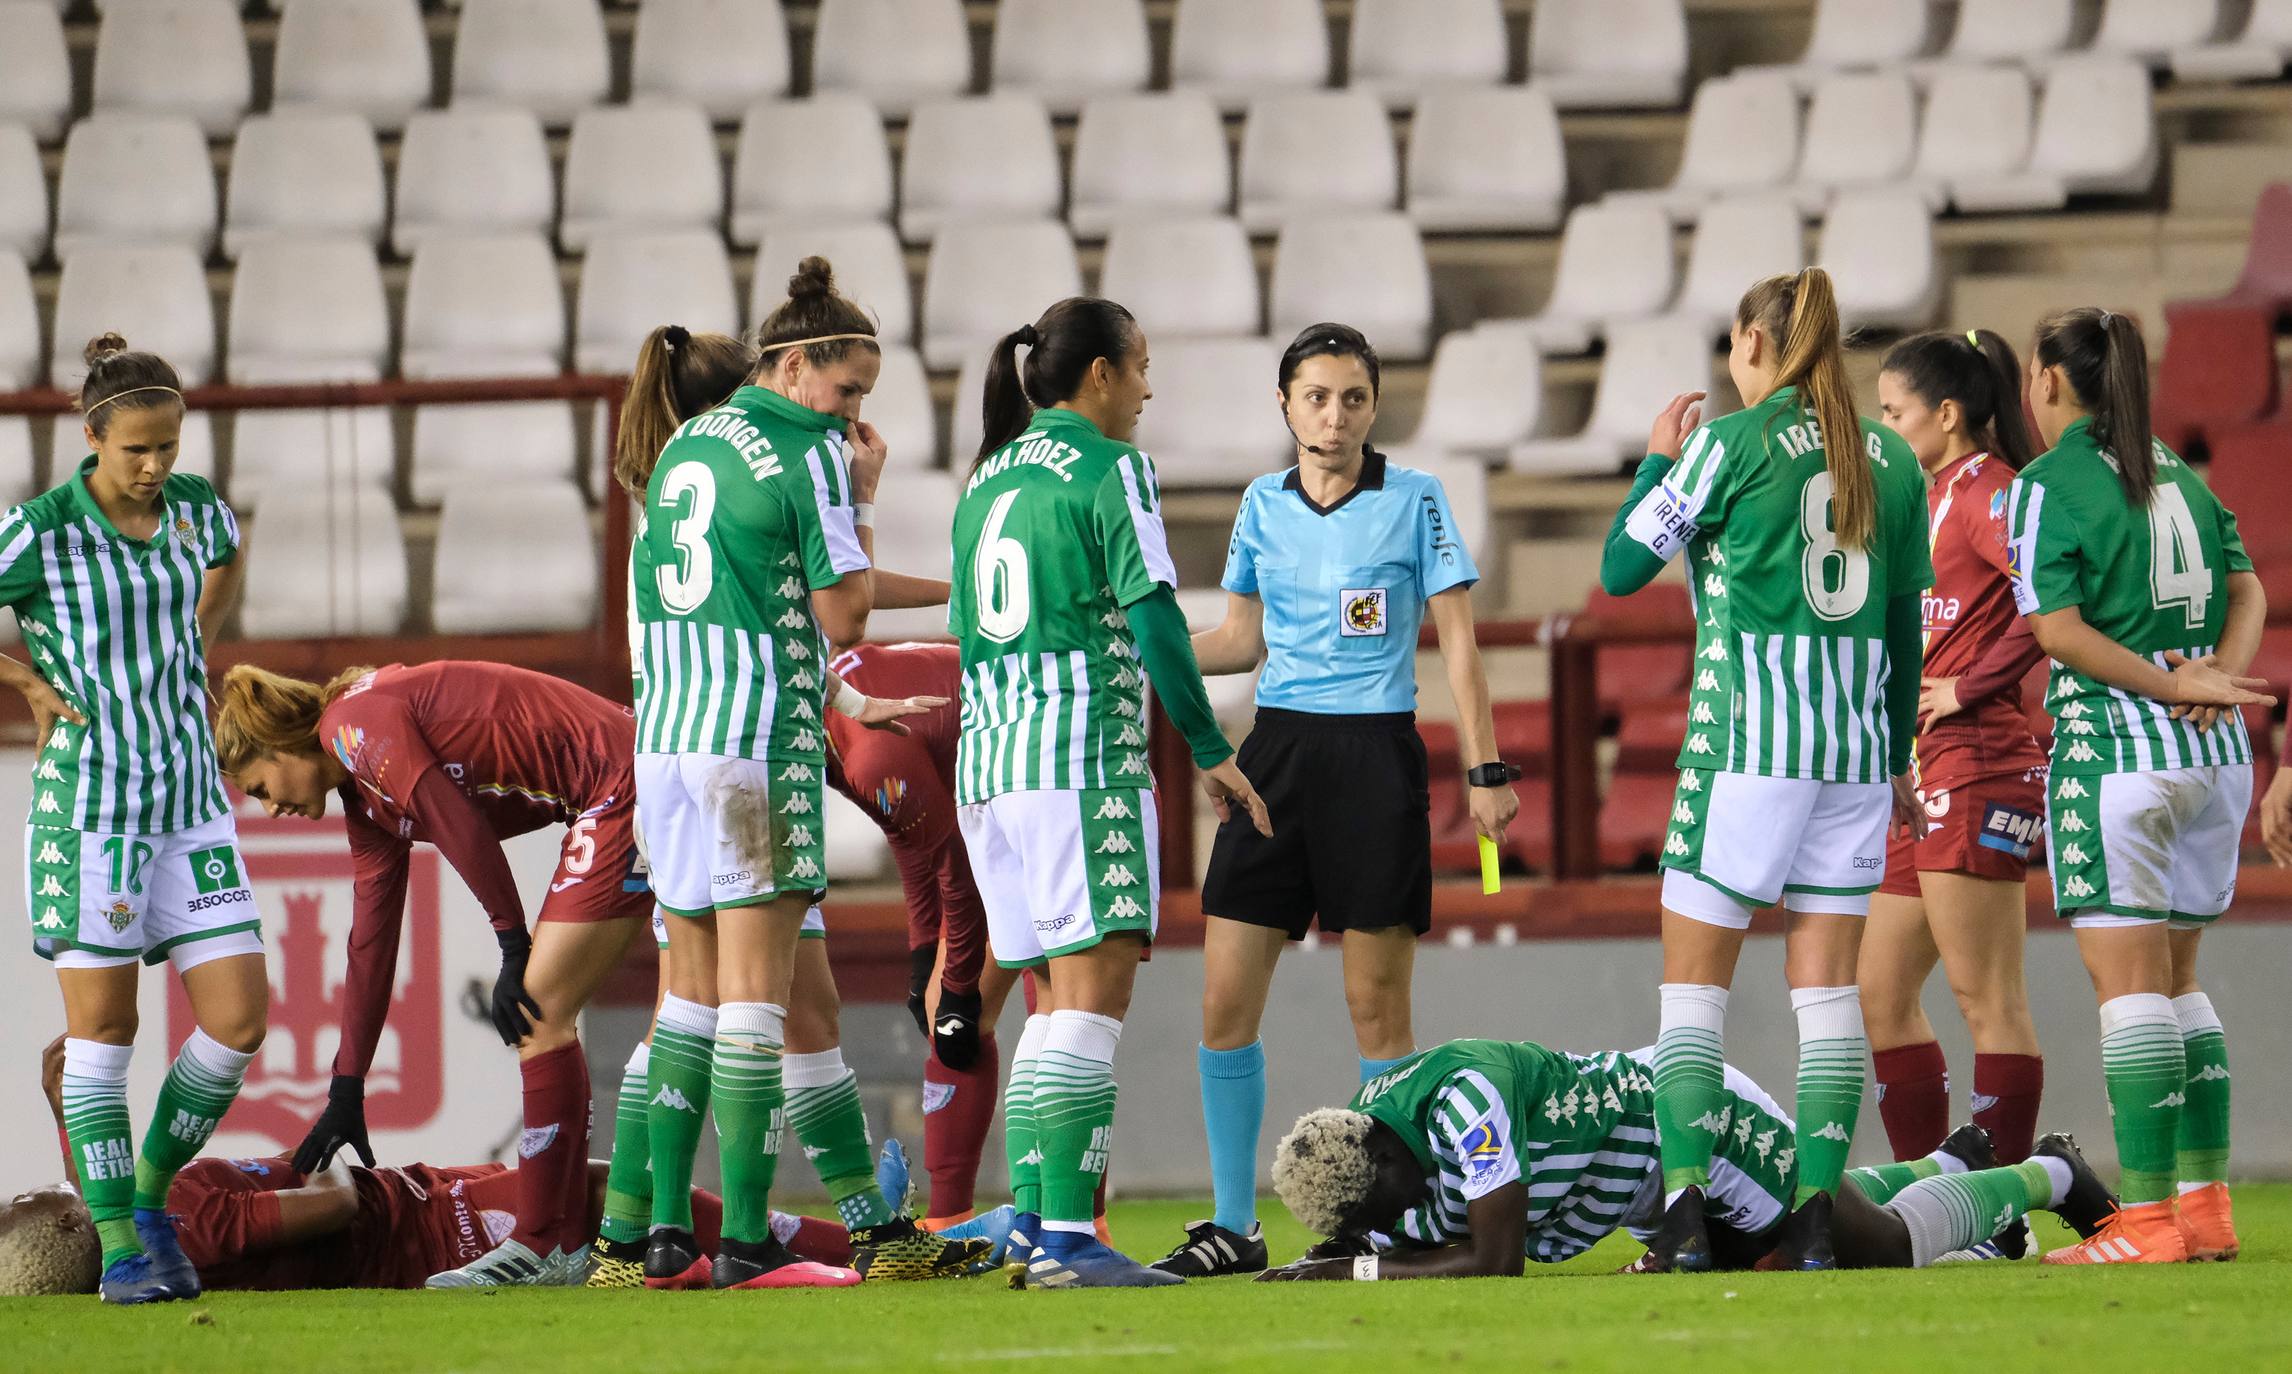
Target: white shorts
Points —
{"points": [[815, 927], [1060, 870], [1738, 843], [99, 901], [2134, 848], [729, 832]]}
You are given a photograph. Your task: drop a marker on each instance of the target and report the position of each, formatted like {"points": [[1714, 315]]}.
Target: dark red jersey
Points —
{"points": [[412, 1222], [1973, 632]]}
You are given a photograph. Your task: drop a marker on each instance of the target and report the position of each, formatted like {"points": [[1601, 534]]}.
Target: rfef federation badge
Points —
{"points": [[1360, 611]]}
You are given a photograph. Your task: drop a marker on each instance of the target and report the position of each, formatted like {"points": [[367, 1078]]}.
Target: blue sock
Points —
{"points": [[1233, 1114], [1370, 1068]]}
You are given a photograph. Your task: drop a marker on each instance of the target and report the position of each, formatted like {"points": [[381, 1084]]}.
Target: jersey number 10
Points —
{"points": [[1837, 579]]}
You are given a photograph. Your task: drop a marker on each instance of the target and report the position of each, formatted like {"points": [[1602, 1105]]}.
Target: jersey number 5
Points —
{"points": [[1837, 579], [1000, 569], [2177, 574], [685, 581]]}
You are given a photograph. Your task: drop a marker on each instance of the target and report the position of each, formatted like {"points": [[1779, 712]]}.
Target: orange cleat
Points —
{"points": [[2207, 1228], [2143, 1234]]}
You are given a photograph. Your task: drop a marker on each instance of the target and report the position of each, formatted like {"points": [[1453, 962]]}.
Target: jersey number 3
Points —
{"points": [[2177, 574], [685, 581], [1000, 569], [1837, 579]]}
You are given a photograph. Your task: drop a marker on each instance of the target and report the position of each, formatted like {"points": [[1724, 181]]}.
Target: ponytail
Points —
{"points": [[2107, 366], [678, 375], [1003, 406], [1800, 312], [259, 713], [1977, 369], [2007, 435], [1061, 347]]}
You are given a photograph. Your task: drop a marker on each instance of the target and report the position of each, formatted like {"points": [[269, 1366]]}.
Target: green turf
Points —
{"points": [[1976, 1318]]}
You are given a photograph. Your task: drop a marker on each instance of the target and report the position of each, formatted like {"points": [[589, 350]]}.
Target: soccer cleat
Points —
{"points": [[893, 1178], [1970, 1145], [674, 1261], [156, 1229], [2142, 1234], [1680, 1244], [567, 1268], [1211, 1251], [2089, 1204], [899, 1251], [993, 1228], [1072, 1259], [769, 1264], [131, 1280], [615, 1264], [507, 1265], [2010, 1244], [1019, 1247], [1802, 1242], [2207, 1227]]}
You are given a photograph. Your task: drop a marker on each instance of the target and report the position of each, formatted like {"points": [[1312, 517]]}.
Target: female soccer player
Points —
{"points": [[1954, 893], [1333, 565], [2139, 589], [1805, 535], [1063, 592], [116, 575]]}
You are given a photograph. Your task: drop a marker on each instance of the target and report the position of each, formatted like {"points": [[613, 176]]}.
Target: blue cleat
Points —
{"points": [[131, 1279], [993, 1226], [892, 1176], [1069, 1259], [156, 1229]]}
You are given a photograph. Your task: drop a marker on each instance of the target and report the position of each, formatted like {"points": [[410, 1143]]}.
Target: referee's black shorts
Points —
{"points": [[1352, 830]]}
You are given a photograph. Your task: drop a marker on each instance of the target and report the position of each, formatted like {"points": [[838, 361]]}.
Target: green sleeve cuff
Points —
{"points": [[1168, 652], [1626, 565], [1906, 662]]}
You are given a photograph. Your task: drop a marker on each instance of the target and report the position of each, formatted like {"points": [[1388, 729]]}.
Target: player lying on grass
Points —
{"points": [[1470, 1157]]}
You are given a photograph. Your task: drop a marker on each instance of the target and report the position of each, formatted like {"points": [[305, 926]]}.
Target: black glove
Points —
{"points": [[955, 1036], [342, 1123], [920, 961], [511, 1001]]}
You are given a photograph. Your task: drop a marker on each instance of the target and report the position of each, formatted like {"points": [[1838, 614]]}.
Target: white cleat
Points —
{"points": [[510, 1265]]}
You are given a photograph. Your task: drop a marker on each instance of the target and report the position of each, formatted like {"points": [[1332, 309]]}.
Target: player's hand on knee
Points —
{"points": [[512, 1009], [955, 1029]]}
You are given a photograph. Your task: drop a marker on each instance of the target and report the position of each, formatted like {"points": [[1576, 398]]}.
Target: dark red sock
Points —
{"points": [[957, 1109], [1913, 1097], [553, 1153], [822, 1242], [2006, 1091]]}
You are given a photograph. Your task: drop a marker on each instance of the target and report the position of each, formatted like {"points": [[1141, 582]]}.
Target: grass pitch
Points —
{"points": [[1567, 1317]]}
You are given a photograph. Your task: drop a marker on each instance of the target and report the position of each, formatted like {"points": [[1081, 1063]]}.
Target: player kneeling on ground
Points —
{"points": [[1469, 1157]]}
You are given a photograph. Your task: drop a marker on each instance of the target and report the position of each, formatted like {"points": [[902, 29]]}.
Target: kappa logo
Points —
{"points": [[789, 586], [51, 919], [49, 887], [1124, 908], [2082, 752], [798, 805], [2074, 853], [2073, 822], [671, 1097], [1763, 1143], [1700, 743], [804, 740], [60, 737], [1128, 677], [48, 772], [1683, 813], [2171, 1099], [789, 560], [1031, 1157], [1701, 714], [1831, 1130], [805, 868], [802, 710], [2078, 887], [790, 619], [1706, 681], [796, 772], [814, 1151], [1717, 1123], [2076, 710], [1675, 846], [798, 651], [1131, 766], [1112, 620], [1116, 842], [2070, 789], [1113, 809], [1118, 875], [800, 837], [1125, 708], [1743, 1128], [1714, 585], [802, 680], [2211, 1073], [1691, 782], [1784, 1159], [2079, 727], [1129, 737], [536, 1139], [1714, 652], [48, 804], [1120, 649], [1717, 558]]}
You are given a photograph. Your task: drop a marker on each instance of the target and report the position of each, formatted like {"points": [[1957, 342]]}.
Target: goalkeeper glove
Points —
{"points": [[511, 1001], [342, 1123], [955, 1036]]}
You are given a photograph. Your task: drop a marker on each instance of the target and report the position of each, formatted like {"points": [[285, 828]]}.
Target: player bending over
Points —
{"points": [[1473, 1155]]}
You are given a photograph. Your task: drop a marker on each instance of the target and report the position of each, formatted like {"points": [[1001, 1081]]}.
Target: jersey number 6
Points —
{"points": [[1000, 569], [1837, 579]]}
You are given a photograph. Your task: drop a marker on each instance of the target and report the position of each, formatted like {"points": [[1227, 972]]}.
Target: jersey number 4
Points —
{"points": [[2177, 574], [999, 568], [1837, 579]]}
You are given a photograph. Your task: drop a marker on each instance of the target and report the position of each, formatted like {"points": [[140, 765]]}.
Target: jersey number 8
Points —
{"points": [[1837, 579], [1000, 569]]}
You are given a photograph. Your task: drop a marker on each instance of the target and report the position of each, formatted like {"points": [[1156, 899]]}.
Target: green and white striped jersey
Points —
{"points": [[2152, 581], [113, 624], [1056, 533], [1577, 1130], [749, 511], [1790, 665]]}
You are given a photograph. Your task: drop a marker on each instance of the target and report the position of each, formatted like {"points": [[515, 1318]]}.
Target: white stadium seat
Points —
{"points": [[548, 56], [308, 310], [1485, 393], [1878, 246], [894, 53], [19, 475], [370, 56], [186, 57], [509, 441], [1366, 270], [1158, 154], [1238, 51], [1742, 135], [194, 451], [1464, 480], [871, 269], [807, 161], [1977, 129], [155, 296], [632, 284], [35, 68], [2025, 31], [964, 420], [1608, 54], [2150, 30], [901, 408], [1291, 145], [982, 157], [1486, 158], [2257, 53], [472, 171], [986, 279], [1615, 263], [514, 557], [1739, 240], [1066, 52], [2096, 134], [1403, 49], [303, 172], [913, 535], [485, 305], [1214, 420], [638, 169], [722, 55], [1862, 130], [854, 849], [342, 448], [340, 565], [163, 157], [23, 194], [1184, 278], [1854, 35], [20, 361], [1648, 362]]}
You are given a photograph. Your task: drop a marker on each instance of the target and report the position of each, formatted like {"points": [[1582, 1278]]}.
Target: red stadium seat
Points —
{"points": [[2276, 584], [2219, 370], [1634, 817], [1524, 735], [2249, 466], [2274, 661], [1648, 740], [1637, 672], [1529, 838], [2267, 277]]}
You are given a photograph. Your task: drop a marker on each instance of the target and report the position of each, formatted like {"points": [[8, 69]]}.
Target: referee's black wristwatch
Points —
{"points": [[1498, 774]]}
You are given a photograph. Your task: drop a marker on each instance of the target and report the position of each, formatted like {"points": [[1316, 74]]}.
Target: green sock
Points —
{"points": [[103, 1151], [2202, 1146], [1832, 1057], [200, 1086], [2146, 1068], [677, 1084], [1074, 1111], [1880, 1182], [629, 1179], [1957, 1211], [1021, 1144], [824, 1111], [749, 1114], [1691, 1106]]}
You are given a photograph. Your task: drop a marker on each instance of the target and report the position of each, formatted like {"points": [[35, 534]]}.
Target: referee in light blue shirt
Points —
{"points": [[1333, 566]]}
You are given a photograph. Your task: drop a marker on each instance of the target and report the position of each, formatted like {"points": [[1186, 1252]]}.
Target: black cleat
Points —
{"points": [[1680, 1244], [1802, 1242], [1210, 1251], [1341, 1247], [674, 1260], [2089, 1204], [1970, 1144]]}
